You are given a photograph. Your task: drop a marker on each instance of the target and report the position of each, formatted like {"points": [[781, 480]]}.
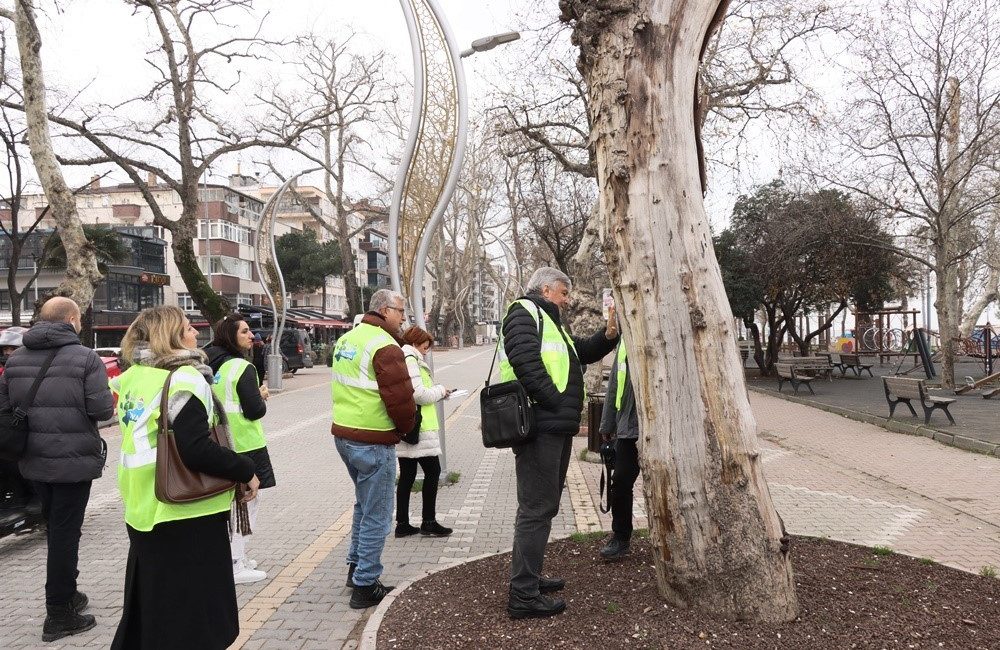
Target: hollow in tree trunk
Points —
{"points": [[719, 544]]}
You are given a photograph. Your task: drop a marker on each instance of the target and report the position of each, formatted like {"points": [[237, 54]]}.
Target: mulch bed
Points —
{"points": [[849, 597]]}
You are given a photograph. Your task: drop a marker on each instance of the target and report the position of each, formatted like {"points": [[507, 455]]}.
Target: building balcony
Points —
{"points": [[368, 246], [381, 270]]}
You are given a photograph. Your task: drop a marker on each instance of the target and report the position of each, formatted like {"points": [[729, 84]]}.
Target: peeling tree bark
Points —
{"points": [[82, 274], [718, 539]]}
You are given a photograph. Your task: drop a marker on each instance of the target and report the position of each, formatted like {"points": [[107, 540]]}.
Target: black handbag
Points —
{"points": [[14, 422], [505, 409]]}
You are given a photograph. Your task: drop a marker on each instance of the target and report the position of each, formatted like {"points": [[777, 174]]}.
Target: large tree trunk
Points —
{"points": [[718, 540], [183, 231], [948, 313], [82, 274]]}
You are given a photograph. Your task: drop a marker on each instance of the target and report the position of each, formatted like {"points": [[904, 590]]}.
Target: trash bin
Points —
{"points": [[595, 407]]}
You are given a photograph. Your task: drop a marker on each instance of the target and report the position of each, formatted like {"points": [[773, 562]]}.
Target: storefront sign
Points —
{"points": [[156, 279]]}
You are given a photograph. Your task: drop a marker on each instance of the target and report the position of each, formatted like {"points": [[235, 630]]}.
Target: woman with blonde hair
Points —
{"points": [[427, 449], [179, 590]]}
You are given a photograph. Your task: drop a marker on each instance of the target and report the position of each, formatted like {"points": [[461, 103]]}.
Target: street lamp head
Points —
{"points": [[490, 42]]}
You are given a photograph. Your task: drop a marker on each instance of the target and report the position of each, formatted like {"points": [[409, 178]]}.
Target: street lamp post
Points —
{"points": [[432, 157]]}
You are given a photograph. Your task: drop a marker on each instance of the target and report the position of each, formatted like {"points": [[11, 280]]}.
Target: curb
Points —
{"points": [[369, 636], [951, 439]]}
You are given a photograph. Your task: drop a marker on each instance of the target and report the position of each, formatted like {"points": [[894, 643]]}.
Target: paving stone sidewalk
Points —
{"points": [[828, 475], [834, 477]]}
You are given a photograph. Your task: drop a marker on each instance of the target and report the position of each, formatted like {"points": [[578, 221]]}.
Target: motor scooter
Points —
{"points": [[20, 510]]}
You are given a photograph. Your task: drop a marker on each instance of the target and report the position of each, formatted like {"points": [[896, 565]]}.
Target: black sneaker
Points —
{"points": [[616, 549], [369, 596], [351, 566], [434, 529], [62, 621], [79, 602], [540, 606], [405, 530], [548, 585]]}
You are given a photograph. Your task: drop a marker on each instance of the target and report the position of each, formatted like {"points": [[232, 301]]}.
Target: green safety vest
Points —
{"points": [[248, 435], [428, 412], [555, 352], [622, 372], [356, 400], [139, 391]]}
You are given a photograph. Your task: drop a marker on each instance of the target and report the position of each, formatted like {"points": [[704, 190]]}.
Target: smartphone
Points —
{"points": [[607, 303]]}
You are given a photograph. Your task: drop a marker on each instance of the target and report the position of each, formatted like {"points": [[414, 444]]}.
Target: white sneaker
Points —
{"points": [[243, 574], [252, 564]]}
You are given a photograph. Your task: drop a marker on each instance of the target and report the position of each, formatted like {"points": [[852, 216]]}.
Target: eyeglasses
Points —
{"points": [[401, 310]]}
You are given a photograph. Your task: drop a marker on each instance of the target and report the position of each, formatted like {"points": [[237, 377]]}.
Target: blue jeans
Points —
{"points": [[373, 471]]}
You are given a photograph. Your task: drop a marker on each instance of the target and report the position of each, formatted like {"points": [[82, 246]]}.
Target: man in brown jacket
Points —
{"points": [[373, 408]]}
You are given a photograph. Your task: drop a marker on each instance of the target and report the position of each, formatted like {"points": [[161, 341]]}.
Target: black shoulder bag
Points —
{"points": [[14, 422], [506, 415]]}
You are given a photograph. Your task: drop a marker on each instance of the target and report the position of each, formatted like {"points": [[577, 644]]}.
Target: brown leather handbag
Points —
{"points": [[175, 483]]}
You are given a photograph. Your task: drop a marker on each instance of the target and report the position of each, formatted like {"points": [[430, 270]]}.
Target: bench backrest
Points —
{"points": [[849, 359], [784, 370], [905, 387], [806, 362], [814, 364]]}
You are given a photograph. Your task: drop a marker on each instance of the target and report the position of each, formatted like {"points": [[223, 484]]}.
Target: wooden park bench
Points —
{"points": [[904, 389], [818, 366], [857, 363], [788, 372]]}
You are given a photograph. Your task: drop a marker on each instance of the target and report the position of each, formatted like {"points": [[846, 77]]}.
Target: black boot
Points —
{"points": [[405, 530], [351, 566], [615, 550], [369, 596], [434, 529], [538, 607], [61, 620], [548, 585], [79, 602]]}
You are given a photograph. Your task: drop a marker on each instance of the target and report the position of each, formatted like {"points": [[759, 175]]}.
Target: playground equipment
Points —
{"points": [[885, 333], [983, 344]]}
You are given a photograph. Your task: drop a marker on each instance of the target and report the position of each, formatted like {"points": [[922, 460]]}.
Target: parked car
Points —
{"points": [[295, 348]]}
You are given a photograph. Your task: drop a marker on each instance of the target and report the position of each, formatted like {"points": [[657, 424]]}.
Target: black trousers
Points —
{"points": [[63, 507], [623, 482], [540, 466], [407, 475]]}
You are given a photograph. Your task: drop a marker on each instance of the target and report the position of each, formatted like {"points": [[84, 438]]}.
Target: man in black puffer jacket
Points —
{"points": [[557, 396], [64, 453]]}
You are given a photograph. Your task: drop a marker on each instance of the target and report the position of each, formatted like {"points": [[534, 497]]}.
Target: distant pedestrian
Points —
{"points": [[10, 340], [236, 386], [536, 350], [64, 453], [426, 451], [373, 409], [620, 422], [179, 590], [259, 358]]}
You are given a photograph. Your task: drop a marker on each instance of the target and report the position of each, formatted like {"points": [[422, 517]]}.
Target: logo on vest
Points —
{"points": [[345, 351], [218, 378], [131, 412]]}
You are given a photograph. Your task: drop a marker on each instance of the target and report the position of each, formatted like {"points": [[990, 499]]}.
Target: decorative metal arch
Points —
{"points": [[435, 147]]}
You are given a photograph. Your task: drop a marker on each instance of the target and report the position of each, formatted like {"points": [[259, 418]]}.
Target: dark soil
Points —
{"points": [[849, 597]]}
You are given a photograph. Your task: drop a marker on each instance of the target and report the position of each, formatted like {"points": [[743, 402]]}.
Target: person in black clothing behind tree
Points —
{"points": [[541, 463], [620, 422]]}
